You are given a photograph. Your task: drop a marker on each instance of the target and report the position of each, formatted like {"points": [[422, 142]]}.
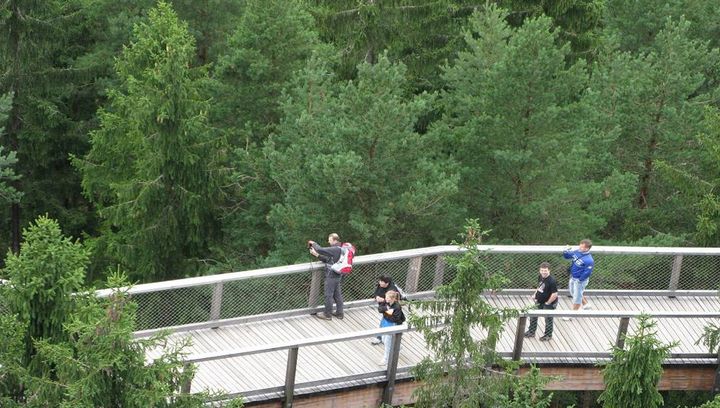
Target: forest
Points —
{"points": [[194, 137], [146, 140]]}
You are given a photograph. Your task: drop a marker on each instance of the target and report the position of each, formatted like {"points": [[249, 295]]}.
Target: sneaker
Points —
{"points": [[587, 306], [339, 316], [528, 334], [382, 362], [322, 316], [566, 318], [375, 341], [546, 338]]}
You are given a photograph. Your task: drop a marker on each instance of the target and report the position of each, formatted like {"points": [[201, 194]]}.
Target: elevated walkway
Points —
{"points": [[276, 351]]}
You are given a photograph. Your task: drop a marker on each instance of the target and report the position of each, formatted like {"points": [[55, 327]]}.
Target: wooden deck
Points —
{"points": [[330, 366]]}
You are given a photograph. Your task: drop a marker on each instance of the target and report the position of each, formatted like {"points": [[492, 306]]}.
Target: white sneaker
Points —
{"points": [[566, 318], [587, 306], [382, 362], [375, 341]]}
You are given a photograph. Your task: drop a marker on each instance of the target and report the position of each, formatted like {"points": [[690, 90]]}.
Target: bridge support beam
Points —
{"points": [[392, 369], [185, 386], [622, 332], [290, 377], [413, 275], [315, 282], [675, 275], [439, 271], [216, 303], [519, 337]]}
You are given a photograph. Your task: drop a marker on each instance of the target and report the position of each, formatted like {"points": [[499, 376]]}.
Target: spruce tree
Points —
{"points": [[156, 168]]}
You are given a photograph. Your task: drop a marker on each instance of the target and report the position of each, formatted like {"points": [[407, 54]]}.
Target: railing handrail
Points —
{"points": [[396, 255], [356, 335]]}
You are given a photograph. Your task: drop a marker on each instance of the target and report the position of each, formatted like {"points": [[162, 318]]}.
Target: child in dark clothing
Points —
{"points": [[384, 285]]}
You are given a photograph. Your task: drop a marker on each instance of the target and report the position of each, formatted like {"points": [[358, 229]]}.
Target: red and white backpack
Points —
{"points": [[344, 265]]}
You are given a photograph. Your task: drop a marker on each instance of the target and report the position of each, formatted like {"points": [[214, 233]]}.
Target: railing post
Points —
{"points": [[439, 271], [519, 337], [622, 332], [675, 275], [290, 377], [392, 369], [411, 283], [216, 303], [185, 386], [315, 282]]}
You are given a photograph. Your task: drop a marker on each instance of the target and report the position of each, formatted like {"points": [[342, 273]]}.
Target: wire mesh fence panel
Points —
{"points": [[173, 307], [699, 273], [265, 295], [415, 273]]}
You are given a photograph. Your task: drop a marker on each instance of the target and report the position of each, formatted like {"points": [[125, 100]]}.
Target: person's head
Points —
{"points": [[545, 269], [391, 297], [585, 245], [333, 239], [384, 281]]}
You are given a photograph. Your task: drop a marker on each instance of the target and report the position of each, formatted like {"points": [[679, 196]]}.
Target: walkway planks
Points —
{"points": [[263, 375]]}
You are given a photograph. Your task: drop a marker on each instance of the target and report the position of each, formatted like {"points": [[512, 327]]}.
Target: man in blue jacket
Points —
{"points": [[580, 270]]}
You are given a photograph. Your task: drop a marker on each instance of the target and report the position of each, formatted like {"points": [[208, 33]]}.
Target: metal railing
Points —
{"points": [[517, 353], [247, 293]]}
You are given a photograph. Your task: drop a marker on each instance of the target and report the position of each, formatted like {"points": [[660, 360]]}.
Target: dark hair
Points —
{"points": [[587, 242], [545, 265], [385, 279]]}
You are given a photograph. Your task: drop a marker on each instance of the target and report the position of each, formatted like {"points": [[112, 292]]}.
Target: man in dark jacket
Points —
{"points": [[333, 280], [545, 297]]}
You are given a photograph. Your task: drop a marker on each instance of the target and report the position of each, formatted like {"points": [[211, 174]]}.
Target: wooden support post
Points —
{"points": [[216, 303], [185, 386], [290, 377], [439, 271], [675, 275], [622, 332], [392, 369], [315, 284], [411, 283], [519, 337]]}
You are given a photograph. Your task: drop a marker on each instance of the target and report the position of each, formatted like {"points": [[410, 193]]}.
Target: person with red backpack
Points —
{"points": [[333, 280]]}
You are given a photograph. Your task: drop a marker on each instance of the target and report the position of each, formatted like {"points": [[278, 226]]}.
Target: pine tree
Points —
{"points": [[347, 158], [632, 376], [44, 276], [514, 117], [155, 170], [655, 101], [458, 374], [7, 161]]}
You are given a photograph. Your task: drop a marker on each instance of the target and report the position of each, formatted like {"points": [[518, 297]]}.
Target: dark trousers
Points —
{"points": [[548, 320], [333, 293]]}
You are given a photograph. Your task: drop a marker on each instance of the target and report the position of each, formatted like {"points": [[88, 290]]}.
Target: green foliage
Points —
{"points": [[103, 365], [8, 193], [528, 392], [272, 41], [631, 377], [44, 275], [655, 102], [459, 374], [715, 403], [155, 170], [514, 118], [347, 158]]}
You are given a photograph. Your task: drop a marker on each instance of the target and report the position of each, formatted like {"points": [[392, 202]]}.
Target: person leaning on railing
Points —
{"points": [[333, 281]]}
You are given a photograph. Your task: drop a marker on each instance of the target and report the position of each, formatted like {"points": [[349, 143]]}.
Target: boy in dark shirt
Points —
{"points": [[546, 297], [384, 285]]}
